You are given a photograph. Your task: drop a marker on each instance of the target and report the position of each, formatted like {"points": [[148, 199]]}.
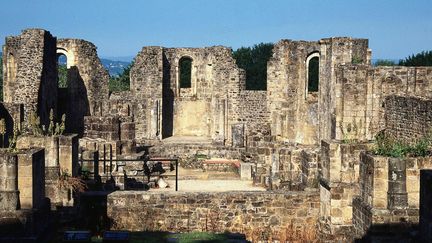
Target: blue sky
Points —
{"points": [[395, 28]]}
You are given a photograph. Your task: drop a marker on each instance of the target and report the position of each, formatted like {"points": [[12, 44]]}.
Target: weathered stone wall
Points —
{"points": [[9, 194], [407, 118], [333, 52], [208, 109], [31, 178], [104, 127], [339, 184], [30, 72], [60, 156], [87, 82], [254, 113], [362, 90], [146, 77], [292, 110], [389, 191], [219, 212]]}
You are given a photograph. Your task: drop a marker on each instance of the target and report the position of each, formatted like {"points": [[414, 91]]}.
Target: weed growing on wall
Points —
{"points": [[54, 128], [391, 147]]}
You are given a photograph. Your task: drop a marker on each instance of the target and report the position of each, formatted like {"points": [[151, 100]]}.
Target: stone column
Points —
{"points": [[397, 195], [9, 194], [31, 178]]}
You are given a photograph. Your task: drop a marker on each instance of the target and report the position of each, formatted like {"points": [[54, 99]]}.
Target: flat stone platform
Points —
{"points": [[210, 186]]}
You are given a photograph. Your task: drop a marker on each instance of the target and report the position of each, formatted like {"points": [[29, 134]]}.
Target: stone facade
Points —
{"points": [[219, 212], [30, 72], [408, 118]]}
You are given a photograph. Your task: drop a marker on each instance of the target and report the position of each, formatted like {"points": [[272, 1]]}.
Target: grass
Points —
{"points": [[157, 237]]}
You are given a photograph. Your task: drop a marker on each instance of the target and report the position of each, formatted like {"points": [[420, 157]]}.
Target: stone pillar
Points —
{"points": [[397, 195], [31, 178], [9, 194], [425, 205], [68, 153]]}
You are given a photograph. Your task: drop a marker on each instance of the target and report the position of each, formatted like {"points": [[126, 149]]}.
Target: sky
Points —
{"points": [[395, 28]]}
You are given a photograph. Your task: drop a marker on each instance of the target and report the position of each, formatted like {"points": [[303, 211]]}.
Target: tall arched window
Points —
{"points": [[312, 72], [185, 72]]}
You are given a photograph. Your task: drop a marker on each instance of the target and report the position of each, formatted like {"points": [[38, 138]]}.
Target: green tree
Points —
{"points": [[122, 81], [62, 75], [254, 61], [384, 62], [1, 78], [423, 58]]}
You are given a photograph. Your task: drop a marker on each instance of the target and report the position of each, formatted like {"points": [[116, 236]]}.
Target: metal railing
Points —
{"points": [[96, 161]]}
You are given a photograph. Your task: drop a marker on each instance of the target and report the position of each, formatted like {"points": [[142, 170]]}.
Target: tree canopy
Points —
{"points": [[254, 61], [62, 76], [1, 78], [122, 81], [423, 58], [384, 62]]}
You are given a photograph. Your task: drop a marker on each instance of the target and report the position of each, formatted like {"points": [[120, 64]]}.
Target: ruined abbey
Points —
{"points": [[311, 149]]}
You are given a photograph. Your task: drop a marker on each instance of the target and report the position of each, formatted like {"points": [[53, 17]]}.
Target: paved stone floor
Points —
{"points": [[211, 186]]}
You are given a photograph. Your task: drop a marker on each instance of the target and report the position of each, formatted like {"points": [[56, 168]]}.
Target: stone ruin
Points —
{"points": [[308, 146]]}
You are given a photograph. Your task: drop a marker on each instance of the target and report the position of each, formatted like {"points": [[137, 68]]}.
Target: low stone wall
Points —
{"points": [[389, 191], [105, 127], [243, 212]]}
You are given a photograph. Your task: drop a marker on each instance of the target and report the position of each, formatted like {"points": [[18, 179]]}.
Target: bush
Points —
{"points": [[387, 146]]}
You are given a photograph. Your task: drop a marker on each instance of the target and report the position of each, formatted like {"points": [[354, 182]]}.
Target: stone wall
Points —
{"points": [[334, 52], [407, 118], [103, 127], [362, 91], [389, 191], [30, 72], [254, 113], [338, 177], [87, 84], [225, 211], [9, 194], [293, 112], [60, 156], [31, 178], [298, 115], [213, 98]]}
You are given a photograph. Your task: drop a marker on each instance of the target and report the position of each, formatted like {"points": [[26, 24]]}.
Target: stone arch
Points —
{"points": [[70, 60], [312, 72]]}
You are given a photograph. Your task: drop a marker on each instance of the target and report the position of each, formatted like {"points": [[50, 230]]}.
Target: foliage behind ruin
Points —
{"points": [[254, 61]]}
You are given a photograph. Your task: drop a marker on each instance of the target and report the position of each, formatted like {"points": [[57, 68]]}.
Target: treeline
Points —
{"points": [[254, 61], [423, 58]]}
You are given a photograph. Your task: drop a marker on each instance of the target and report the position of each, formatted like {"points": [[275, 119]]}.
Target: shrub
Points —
{"points": [[387, 146]]}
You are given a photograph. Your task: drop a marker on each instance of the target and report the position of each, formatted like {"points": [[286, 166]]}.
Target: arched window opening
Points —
{"points": [[313, 73], [185, 65], [62, 70], [11, 68]]}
